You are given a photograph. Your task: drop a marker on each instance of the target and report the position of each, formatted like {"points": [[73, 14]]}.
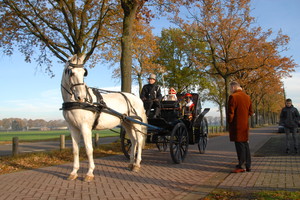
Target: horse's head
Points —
{"points": [[73, 78]]}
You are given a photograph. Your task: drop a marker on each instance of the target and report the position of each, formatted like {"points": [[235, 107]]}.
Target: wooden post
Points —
{"points": [[96, 139], [15, 147], [62, 142]]}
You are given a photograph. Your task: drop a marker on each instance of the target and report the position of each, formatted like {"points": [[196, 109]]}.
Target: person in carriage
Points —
{"points": [[188, 106], [151, 96], [171, 95]]}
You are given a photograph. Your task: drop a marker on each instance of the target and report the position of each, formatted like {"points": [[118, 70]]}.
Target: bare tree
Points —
{"points": [[56, 27]]}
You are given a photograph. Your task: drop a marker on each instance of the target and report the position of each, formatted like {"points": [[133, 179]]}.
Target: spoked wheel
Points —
{"points": [[179, 143], [161, 143], [203, 136], [125, 143]]}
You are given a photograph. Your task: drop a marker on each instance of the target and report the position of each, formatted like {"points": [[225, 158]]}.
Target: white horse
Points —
{"points": [[81, 121]]}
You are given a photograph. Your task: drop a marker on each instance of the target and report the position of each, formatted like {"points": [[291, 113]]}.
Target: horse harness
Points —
{"points": [[98, 106], [93, 107], [70, 73]]}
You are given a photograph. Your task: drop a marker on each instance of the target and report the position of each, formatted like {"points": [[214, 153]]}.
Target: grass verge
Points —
{"points": [[219, 194], [27, 161]]}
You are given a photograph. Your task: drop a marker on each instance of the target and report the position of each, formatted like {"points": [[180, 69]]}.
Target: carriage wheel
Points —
{"points": [[161, 143], [203, 136], [179, 143], [125, 143]]}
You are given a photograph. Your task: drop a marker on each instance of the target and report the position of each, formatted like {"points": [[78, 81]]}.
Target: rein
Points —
{"points": [[66, 89]]}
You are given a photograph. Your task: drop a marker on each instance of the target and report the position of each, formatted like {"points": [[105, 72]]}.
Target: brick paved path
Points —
{"points": [[272, 170], [269, 173], [159, 178]]}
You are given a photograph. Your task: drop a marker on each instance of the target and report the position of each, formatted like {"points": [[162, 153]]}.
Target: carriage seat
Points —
{"points": [[170, 110], [169, 105]]}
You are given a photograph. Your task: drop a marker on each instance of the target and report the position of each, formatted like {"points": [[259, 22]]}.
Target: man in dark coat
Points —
{"points": [[289, 119], [239, 110], [151, 96]]}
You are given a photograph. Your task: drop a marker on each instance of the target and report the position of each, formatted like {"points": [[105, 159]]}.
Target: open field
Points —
{"points": [[30, 136], [48, 135]]}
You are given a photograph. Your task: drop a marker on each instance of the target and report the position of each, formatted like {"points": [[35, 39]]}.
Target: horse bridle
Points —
{"points": [[71, 91]]}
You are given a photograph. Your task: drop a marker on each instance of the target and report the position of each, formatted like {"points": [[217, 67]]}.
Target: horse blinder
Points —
{"points": [[69, 72]]}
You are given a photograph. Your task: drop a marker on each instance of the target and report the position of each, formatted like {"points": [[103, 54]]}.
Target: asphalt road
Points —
{"points": [[6, 149]]}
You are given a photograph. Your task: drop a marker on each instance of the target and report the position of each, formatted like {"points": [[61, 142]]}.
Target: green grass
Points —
{"points": [[48, 135], [220, 194]]}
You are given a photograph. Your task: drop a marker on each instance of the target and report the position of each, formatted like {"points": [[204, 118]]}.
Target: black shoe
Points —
{"points": [[248, 169], [296, 150], [287, 151]]}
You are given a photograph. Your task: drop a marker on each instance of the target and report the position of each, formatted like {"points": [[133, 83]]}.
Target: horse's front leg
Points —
{"points": [[132, 153], [87, 136], [75, 142], [138, 154]]}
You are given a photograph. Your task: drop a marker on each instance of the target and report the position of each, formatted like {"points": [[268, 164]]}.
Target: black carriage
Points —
{"points": [[172, 129]]}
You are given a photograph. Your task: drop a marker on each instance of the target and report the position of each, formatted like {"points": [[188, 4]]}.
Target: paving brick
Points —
{"points": [[159, 178]]}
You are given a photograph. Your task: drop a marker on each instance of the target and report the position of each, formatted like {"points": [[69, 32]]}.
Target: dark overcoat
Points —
{"points": [[289, 117], [239, 110]]}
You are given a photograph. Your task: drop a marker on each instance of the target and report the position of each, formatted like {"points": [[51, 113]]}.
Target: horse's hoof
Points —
{"points": [[72, 177], [88, 178], [130, 166], [135, 168]]}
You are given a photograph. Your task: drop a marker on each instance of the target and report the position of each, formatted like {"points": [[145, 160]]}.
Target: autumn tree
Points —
{"points": [[45, 28], [6, 123], [264, 86], [18, 125], [136, 9], [266, 79], [233, 42], [176, 55], [130, 9], [144, 52]]}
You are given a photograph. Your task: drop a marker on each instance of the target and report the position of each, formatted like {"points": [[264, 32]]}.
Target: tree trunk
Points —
{"points": [[129, 8], [221, 115], [226, 101], [256, 113], [140, 81]]}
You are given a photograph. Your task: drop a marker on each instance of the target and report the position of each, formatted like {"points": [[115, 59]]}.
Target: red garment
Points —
{"points": [[190, 106], [188, 110], [239, 110]]}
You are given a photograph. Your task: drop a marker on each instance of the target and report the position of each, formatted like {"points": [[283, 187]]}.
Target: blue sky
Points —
{"points": [[27, 92]]}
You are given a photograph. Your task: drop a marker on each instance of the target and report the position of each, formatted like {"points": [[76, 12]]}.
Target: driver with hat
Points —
{"points": [[151, 96]]}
